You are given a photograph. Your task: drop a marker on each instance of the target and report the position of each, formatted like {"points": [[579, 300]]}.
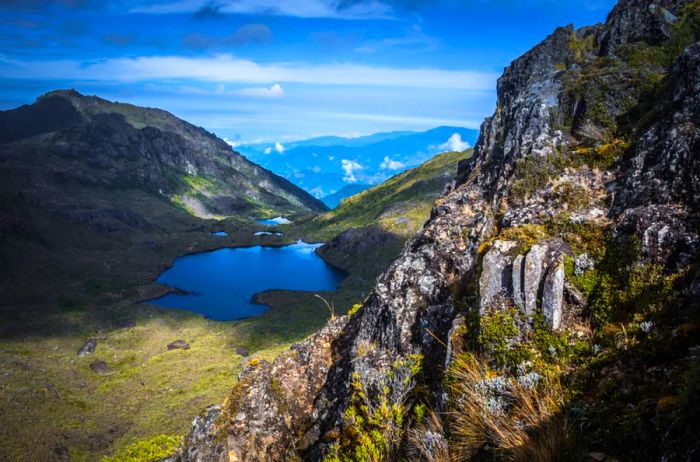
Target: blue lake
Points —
{"points": [[274, 221], [221, 283]]}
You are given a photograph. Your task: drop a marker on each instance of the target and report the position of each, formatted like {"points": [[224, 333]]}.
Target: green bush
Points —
{"points": [[532, 173], [377, 412]]}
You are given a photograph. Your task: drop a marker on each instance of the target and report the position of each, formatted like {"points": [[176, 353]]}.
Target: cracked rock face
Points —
{"points": [[496, 273]]}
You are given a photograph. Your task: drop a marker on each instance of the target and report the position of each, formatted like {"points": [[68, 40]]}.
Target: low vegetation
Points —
{"points": [[375, 419], [400, 205], [519, 420]]}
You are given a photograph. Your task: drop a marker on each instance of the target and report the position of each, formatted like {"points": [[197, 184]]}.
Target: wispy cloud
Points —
{"points": [[275, 91], [415, 39], [226, 68], [299, 8], [245, 35], [278, 147]]}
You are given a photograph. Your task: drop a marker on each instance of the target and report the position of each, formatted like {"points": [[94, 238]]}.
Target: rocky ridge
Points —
{"points": [[577, 214], [85, 144]]}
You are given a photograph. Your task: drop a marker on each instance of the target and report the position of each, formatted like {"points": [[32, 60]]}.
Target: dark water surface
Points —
{"points": [[221, 283]]}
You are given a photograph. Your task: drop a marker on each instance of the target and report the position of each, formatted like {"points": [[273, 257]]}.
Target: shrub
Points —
{"points": [[574, 195], [581, 47], [602, 156], [354, 309], [593, 134], [532, 173], [525, 235], [427, 442], [377, 412]]}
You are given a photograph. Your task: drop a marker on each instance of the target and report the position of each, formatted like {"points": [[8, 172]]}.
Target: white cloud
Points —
{"points": [[389, 164], [331, 158], [278, 147], [349, 167], [318, 192], [233, 143], [275, 91], [227, 69], [299, 8], [454, 143], [316, 169]]}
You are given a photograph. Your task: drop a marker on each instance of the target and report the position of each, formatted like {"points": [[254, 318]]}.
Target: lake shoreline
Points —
{"points": [[204, 283]]}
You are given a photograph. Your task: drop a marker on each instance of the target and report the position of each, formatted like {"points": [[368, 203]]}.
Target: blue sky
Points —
{"points": [[263, 70]]}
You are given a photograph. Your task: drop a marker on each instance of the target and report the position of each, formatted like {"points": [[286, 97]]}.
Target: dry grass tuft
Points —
{"points": [[518, 420]]}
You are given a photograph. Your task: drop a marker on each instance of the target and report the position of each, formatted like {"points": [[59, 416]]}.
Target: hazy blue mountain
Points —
{"points": [[323, 166], [333, 200]]}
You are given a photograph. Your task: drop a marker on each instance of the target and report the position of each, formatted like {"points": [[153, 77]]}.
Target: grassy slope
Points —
{"points": [[152, 391], [400, 205]]}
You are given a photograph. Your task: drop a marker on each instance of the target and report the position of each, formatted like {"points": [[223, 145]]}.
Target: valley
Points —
{"points": [[147, 393], [319, 275]]}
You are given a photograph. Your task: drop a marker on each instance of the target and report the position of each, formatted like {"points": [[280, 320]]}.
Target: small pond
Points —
{"points": [[275, 221], [221, 284], [219, 233]]}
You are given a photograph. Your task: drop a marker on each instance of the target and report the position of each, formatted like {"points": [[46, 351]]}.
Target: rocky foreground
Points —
{"points": [[562, 265]]}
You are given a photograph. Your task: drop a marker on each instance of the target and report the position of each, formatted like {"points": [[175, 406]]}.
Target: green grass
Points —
{"points": [[148, 450], [151, 394], [400, 205]]}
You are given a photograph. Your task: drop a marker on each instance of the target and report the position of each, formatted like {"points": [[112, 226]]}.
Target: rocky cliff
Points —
{"points": [[548, 309]]}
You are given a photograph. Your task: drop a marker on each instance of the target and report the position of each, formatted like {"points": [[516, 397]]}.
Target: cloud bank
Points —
{"points": [[226, 68]]}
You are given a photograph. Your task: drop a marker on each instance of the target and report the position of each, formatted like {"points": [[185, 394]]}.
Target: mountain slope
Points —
{"points": [[366, 232], [400, 205], [333, 200], [91, 186], [548, 310], [120, 146]]}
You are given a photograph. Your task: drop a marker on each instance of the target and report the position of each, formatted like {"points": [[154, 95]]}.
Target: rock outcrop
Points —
{"points": [[497, 274], [553, 296], [526, 187], [88, 347]]}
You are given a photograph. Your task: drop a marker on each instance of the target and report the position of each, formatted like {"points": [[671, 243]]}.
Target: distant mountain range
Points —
{"points": [[324, 166], [333, 200]]}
